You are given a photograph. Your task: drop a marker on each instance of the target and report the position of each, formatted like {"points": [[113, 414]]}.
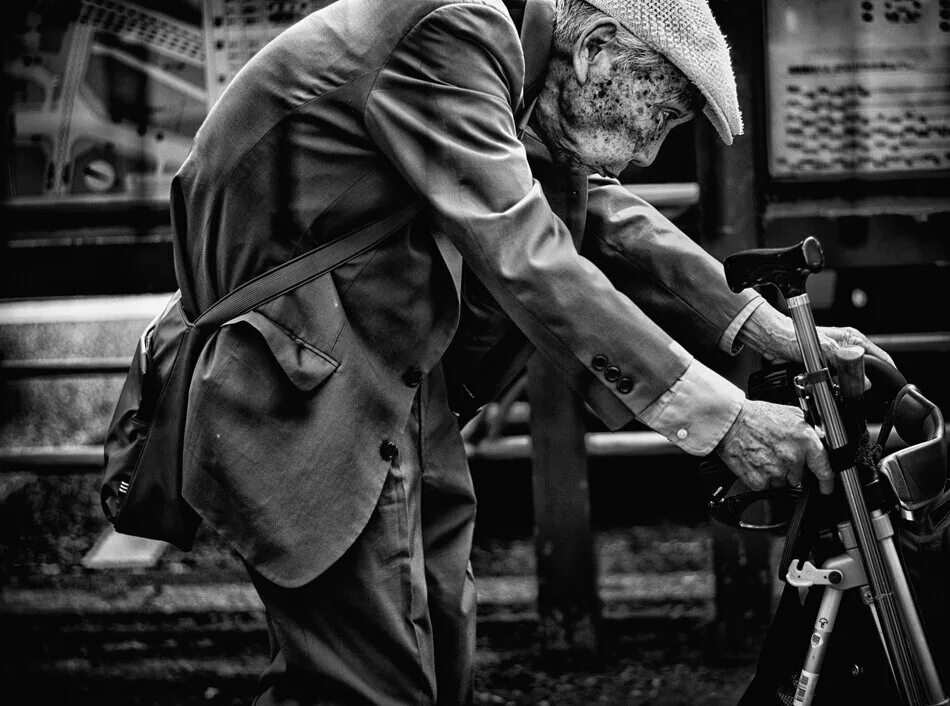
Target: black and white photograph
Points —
{"points": [[469, 352]]}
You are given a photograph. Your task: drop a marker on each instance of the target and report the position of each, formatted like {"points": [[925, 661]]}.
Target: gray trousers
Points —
{"points": [[393, 621]]}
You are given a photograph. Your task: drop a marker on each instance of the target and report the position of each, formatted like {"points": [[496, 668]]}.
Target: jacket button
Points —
{"points": [[624, 385], [599, 362], [388, 450], [612, 373], [412, 377]]}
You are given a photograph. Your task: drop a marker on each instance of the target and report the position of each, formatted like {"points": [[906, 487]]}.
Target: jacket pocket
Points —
{"points": [[304, 365]]}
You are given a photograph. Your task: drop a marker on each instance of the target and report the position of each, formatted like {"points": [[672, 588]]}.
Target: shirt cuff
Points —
{"points": [[697, 411], [727, 342]]}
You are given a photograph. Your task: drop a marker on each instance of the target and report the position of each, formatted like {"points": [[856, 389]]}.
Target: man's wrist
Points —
{"points": [[696, 411], [729, 341], [731, 431], [769, 333]]}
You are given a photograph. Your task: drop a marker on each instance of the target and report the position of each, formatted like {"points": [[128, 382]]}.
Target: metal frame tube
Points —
{"points": [[907, 675], [824, 625], [914, 629]]}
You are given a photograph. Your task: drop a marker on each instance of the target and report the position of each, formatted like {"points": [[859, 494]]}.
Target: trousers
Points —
{"points": [[393, 620]]}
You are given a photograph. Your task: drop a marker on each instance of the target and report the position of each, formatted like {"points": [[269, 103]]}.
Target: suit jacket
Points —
{"points": [[345, 117]]}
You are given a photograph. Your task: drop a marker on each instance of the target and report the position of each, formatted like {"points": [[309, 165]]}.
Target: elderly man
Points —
{"points": [[320, 438]]}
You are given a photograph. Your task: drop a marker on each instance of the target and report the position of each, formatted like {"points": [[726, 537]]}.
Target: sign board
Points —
{"points": [[858, 88], [235, 30]]}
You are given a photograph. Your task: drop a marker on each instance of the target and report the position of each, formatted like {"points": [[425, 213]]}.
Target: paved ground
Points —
{"points": [[191, 630], [205, 644]]}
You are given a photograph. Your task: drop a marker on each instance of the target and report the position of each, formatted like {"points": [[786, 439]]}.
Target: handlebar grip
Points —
{"points": [[884, 376], [849, 362], [786, 268]]}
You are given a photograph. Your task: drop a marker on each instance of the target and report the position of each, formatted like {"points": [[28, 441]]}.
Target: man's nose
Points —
{"points": [[649, 152]]}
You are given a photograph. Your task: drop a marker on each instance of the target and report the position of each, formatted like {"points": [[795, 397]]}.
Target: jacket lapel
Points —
{"points": [[537, 35], [566, 192], [535, 19]]}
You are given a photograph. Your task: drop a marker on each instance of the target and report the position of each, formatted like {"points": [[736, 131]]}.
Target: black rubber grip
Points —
{"points": [[786, 268]]}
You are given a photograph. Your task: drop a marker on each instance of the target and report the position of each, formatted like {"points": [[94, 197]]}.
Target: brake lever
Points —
{"points": [[729, 509]]}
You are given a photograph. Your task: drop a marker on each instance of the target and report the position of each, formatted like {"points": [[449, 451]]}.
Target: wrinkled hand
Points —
{"points": [[771, 334], [832, 339], [771, 445]]}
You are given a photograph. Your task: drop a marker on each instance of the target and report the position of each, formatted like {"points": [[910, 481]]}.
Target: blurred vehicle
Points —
{"points": [[104, 106]]}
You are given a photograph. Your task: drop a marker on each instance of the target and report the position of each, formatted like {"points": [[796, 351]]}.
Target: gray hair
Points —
{"points": [[573, 17]]}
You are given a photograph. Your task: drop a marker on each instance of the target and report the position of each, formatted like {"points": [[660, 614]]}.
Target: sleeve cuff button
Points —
{"points": [[681, 434]]}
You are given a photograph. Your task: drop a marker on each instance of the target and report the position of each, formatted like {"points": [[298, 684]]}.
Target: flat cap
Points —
{"points": [[685, 32]]}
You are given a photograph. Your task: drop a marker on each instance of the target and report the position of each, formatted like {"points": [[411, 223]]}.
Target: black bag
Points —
{"points": [[141, 487], [855, 667]]}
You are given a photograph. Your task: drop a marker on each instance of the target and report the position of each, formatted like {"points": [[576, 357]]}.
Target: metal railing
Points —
{"points": [[497, 433], [935, 342], [493, 445]]}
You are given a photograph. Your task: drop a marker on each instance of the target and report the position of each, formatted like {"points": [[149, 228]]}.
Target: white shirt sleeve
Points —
{"points": [[727, 342], [697, 411]]}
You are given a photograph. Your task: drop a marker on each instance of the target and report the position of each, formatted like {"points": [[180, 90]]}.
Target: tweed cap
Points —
{"points": [[685, 32]]}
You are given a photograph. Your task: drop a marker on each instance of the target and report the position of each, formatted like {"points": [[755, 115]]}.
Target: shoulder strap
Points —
{"points": [[304, 268]]}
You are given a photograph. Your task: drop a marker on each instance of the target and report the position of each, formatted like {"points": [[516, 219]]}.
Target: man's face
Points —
{"points": [[605, 115]]}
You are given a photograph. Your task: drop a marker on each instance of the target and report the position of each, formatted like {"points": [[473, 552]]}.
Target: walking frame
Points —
{"points": [[908, 480]]}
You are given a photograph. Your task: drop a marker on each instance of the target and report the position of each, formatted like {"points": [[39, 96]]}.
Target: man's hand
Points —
{"points": [[771, 445], [771, 334], [832, 339]]}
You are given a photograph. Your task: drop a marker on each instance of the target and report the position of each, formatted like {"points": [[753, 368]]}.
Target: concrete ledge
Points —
{"points": [[240, 597], [82, 309]]}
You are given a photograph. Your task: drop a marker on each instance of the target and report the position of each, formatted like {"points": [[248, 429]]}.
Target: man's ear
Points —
{"points": [[590, 48]]}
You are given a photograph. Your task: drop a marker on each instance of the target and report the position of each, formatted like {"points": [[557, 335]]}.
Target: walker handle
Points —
{"points": [[786, 268]]}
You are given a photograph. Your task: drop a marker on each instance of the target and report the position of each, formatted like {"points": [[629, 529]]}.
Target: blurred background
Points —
{"points": [[646, 600]]}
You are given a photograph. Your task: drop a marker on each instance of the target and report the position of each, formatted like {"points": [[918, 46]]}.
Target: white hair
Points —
{"points": [[573, 17]]}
